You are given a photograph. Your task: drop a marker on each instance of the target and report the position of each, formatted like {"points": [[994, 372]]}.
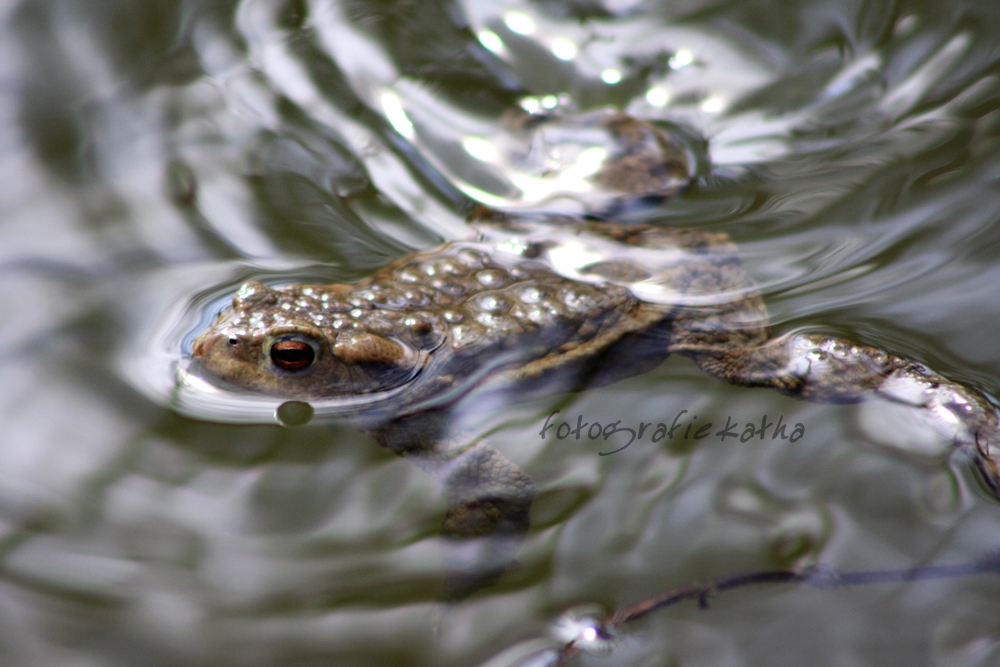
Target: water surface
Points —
{"points": [[157, 154]]}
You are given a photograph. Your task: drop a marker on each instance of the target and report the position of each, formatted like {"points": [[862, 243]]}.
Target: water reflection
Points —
{"points": [[161, 150]]}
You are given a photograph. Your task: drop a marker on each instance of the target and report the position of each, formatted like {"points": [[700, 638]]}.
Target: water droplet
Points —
{"points": [[531, 294], [294, 413], [492, 303], [490, 277]]}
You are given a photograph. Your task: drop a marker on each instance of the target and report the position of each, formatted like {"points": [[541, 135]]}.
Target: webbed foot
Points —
{"points": [[825, 369]]}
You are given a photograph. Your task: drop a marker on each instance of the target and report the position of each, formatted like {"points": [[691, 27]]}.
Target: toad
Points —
{"points": [[549, 303]]}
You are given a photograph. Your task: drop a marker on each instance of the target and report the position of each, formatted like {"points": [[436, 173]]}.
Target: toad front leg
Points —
{"points": [[488, 499]]}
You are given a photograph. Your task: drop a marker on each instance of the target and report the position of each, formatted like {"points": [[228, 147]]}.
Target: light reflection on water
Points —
{"points": [[157, 154]]}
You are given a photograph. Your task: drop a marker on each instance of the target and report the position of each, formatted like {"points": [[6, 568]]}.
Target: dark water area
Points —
{"points": [[155, 155]]}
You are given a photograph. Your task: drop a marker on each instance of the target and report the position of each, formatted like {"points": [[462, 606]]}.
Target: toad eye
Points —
{"points": [[292, 355]]}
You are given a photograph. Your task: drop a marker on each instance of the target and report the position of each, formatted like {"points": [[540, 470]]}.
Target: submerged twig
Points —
{"points": [[597, 634]]}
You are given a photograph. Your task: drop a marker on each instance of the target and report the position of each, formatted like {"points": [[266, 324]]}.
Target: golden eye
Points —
{"points": [[292, 355]]}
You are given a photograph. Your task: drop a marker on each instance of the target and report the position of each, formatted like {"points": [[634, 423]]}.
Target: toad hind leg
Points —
{"points": [[729, 340], [825, 369]]}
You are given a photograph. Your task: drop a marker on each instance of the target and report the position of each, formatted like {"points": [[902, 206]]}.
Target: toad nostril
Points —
{"points": [[202, 344]]}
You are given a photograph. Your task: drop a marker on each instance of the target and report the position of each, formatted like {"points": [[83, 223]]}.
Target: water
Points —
{"points": [[158, 154]]}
